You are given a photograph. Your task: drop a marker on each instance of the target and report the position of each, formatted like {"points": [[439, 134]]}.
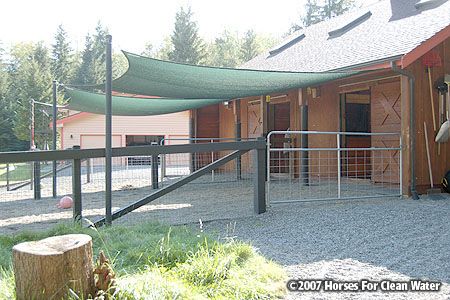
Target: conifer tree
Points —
{"points": [[62, 58], [187, 45]]}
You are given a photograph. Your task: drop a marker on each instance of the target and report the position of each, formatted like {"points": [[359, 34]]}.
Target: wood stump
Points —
{"points": [[48, 268]]}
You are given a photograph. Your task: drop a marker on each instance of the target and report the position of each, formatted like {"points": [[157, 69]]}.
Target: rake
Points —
{"points": [[430, 60]]}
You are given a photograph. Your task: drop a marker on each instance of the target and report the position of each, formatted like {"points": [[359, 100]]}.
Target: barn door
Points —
{"points": [[385, 116], [254, 120]]}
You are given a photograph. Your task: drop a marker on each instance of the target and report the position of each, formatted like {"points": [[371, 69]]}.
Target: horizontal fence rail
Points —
{"points": [[137, 169], [49, 155], [316, 165]]}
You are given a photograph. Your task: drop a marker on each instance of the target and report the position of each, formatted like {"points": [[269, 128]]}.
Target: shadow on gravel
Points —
{"points": [[402, 235]]}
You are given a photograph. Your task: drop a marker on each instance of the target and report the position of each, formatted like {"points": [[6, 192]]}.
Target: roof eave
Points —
{"points": [[425, 47]]}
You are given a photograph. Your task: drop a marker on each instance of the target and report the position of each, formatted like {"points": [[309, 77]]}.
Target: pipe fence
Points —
{"points": [[308, 165]]}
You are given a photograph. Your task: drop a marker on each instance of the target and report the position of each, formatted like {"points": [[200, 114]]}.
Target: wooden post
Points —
{"points": [[238, 135], [48, 268], [406, 135], [76, 188], [259, 201]]}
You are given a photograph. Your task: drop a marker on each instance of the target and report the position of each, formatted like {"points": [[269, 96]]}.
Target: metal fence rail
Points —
{"points": [[173, 165], [310, 166]]}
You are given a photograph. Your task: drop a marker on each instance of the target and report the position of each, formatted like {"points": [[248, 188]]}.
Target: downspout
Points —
{"points": [[412, 82]]}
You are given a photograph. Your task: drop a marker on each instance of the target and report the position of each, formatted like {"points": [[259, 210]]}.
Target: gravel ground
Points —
{"points": [[203, 199], [372, 239]]}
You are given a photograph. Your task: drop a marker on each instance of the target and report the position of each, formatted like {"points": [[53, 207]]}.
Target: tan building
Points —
{"points": [[87, 130]]}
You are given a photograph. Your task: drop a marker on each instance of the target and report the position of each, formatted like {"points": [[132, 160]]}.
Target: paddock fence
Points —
{"points": [[313, 166], [185, 194]]}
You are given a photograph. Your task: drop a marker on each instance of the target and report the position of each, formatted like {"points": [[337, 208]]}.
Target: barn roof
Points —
{"points": [[384, 31]]}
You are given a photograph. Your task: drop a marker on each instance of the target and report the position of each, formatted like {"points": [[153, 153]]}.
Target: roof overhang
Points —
{"points": [[425, 47]]}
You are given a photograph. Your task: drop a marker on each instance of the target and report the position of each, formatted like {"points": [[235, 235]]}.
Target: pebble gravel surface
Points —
{"points": [[376, 239]]}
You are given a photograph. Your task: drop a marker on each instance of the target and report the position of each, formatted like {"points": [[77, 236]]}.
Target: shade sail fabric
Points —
{"points": [[129, 106], [147, 76]]}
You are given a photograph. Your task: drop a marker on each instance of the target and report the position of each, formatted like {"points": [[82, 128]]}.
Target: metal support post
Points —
{"points": [[108, 132], [212, 160], [76, 188], [260, 180], [37, 179], [155, 170], [88, 170], [304, 141], [7, 177], [54, 133], [338, 143]]}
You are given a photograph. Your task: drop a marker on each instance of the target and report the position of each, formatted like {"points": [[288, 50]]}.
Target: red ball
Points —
{"points": [[65, 202]]}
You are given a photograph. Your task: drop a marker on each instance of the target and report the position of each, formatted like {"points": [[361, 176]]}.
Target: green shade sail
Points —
{"points": [[147, 76], [187, 87], [129, 106]]}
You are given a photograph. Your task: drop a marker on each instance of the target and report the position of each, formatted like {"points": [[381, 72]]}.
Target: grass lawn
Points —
{"points": [[20, 172], [153, 261]]}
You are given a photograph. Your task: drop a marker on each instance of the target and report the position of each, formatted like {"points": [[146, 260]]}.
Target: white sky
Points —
{"points": [[133, 23]]}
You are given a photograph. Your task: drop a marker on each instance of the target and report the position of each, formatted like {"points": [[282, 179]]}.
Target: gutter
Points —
{"points": [[412, 82]]}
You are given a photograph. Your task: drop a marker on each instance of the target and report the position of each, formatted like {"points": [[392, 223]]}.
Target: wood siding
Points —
{"points": [[439, 163], [176, 124]]}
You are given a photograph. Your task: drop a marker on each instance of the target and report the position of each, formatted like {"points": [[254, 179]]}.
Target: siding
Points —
{"points": [[176, 124]]}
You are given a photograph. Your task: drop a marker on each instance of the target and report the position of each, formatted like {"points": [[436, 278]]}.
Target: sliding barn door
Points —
{"points": [[385, 117]]}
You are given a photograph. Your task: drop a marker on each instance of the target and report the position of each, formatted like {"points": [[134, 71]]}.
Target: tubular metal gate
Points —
{"points": [[310, 165]]}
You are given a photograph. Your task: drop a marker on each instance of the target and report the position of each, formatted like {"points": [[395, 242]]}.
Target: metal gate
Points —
{"points": [[312, 165]]}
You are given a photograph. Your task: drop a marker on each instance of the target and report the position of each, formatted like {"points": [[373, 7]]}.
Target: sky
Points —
{"points": [[133, 23]]}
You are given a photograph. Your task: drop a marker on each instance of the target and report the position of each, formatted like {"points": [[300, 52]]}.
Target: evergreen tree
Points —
{"points": [[29, 78], [99, 53], [313, 13], [249, 47], [333, 8], [187, 45], [317, 11], [85, 71], [92, 66], [62, 60], [8, 141]]}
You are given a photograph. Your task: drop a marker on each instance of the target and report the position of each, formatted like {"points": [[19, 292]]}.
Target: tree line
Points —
{"points": [[27, 69]]}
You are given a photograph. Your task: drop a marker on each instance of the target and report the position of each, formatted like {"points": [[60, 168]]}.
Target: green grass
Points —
{"points": [[153, 261], [20, 172]]}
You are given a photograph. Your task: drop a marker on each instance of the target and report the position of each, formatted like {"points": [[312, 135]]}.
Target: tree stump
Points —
{"points": [[48, 268]]}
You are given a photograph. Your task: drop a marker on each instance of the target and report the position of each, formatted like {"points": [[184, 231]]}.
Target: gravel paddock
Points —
{"points": [[369, 239]]}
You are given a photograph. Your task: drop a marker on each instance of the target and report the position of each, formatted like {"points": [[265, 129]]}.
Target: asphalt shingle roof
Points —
{"points": [[394, 28]]}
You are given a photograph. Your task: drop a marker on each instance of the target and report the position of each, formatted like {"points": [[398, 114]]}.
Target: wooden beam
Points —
{"points": [[405, 135], [265, 100]]}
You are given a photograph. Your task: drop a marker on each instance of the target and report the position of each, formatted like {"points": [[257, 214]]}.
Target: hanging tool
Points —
{"points": [[429, 60], [428, 154], [447, 82], [443, 134]]}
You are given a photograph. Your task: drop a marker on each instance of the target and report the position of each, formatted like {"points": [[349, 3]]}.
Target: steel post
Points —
{"points": [[338, 143], [304, 141], [37, 179], [108, 132], [54, 133], [7, 177]]}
